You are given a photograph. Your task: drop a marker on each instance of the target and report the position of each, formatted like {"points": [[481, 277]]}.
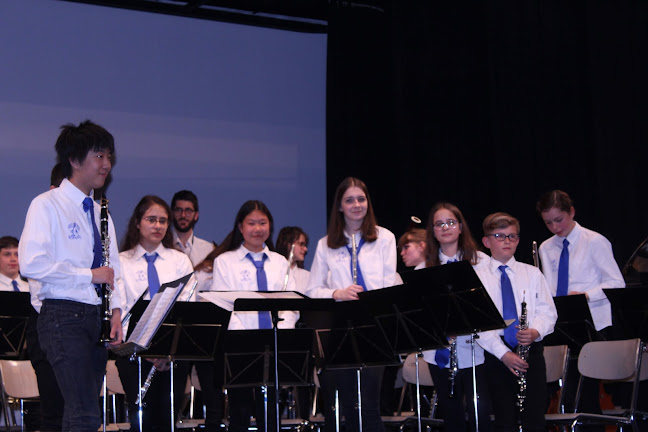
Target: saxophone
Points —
{"points": [[523, 353], [106, 289], [454, 364]]}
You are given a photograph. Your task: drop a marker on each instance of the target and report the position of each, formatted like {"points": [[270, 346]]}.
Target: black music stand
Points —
{"points": [[435, 303], [15, 310], [274, 302], [348, 338], [191, 331], [629, 311], [574, 326]]}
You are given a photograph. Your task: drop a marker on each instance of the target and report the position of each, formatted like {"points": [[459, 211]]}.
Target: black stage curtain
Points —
{"points": [[490, 104]]}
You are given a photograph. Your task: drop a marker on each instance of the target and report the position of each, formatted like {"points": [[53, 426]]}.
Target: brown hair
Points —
{"points": [[499, 220], [132, 237], [466, 243], [336, 238], [555, 198], [415, 235], [286, 237]]}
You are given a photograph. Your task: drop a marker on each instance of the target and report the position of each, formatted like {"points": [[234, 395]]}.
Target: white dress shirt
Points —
{"points": [[56, 246], [464, 348], [6, 285], [233, 271], [170, 265], [196, 248], [331, 269], [300, 276], [591, 268], [529, 284]]}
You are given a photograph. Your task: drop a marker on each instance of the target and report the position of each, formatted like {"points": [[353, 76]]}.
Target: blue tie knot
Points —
{"points": [[257, 264], [15, 285], [502, 268], [151, 258], [451, 260], [565, 243], [88, 204]]}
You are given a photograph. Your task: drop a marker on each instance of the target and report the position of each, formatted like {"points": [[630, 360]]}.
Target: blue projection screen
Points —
{"points": [[230, 112]]}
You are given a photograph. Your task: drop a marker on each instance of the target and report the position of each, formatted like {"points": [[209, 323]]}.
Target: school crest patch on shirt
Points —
{"points": [[341, 256], [245, 276], [73, 231], [140, 276]]}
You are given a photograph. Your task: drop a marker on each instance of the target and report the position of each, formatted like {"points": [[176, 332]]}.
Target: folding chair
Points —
{"points": [[606, 360], [557, 359], [18, 383]]}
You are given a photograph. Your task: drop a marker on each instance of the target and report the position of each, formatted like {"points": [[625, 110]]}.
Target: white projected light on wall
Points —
{"points": [[230, 112]]}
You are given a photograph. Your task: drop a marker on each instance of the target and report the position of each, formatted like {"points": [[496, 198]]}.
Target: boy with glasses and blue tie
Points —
{"points": [[510, 283]]}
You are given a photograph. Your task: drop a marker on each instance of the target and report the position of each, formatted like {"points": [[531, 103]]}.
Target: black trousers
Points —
{"points": [[156, 414], [345, 380], [51, 399], [504, 388], [453, 409]]}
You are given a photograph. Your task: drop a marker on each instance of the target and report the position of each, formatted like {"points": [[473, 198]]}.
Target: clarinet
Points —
{"points": [[454, 364], [106, 289], [523, 353]]}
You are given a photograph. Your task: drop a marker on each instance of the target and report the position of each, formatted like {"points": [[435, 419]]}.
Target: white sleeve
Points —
{"points": [[319, 274]]}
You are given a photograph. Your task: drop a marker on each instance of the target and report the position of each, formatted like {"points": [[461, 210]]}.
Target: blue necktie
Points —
{"points": [[361, 281], [563, 270], [153, 279], [88, 205], [509, 310], [265, 320], [442, 356], [15, 285]]}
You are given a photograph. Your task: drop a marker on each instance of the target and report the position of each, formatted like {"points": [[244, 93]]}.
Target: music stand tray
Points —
{"points": [[15, 309], [574, 326]]}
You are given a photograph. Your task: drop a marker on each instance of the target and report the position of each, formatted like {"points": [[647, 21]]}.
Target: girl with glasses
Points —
{"points": [[449, 240], [332, 276], [148, 260], [287, 237]]}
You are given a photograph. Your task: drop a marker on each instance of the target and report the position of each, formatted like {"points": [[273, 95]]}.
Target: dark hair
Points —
{"points": [[335, 234], [235, 238], [555, 198], [132, 237], [8, 242], [499, 220], [185, 195], [56, 176], [207, 264], [466, 243], [415, 235], [286, 237], [74, 143]]}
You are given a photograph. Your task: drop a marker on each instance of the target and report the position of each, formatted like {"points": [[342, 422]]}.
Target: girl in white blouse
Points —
{"points": [[332, 277], [149, 239]]}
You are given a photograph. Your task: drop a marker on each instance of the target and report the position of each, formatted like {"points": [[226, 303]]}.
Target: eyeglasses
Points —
{"points": [[152, 220], [302, 244], [450, 223], [188, 211], [501, 237]]}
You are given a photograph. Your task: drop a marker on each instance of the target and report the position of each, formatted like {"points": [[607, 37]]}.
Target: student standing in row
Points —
{"points": [[332, 277], [61, 249], [449, 240], [509, 283], [148, 261], [247, 264]]}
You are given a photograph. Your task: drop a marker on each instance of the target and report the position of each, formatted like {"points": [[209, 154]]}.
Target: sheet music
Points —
{"points": [[226, 299], [157, 310]]}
